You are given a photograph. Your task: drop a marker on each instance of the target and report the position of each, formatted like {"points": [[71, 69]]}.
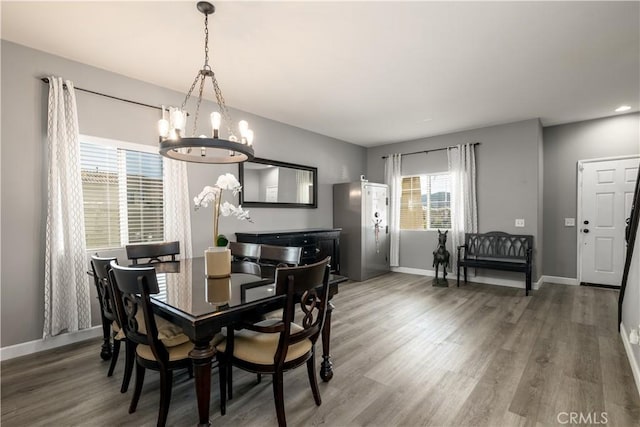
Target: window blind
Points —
{"points": [[425, 202], [123, 196]]}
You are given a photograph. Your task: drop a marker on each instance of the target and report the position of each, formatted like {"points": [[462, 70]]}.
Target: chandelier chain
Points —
{"points": [[223, 106], [195, 120], [206, 41], [193, 86]]}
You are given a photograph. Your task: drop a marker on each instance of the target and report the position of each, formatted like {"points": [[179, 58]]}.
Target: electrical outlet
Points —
{"points": [[569, 222], [519, 222]]}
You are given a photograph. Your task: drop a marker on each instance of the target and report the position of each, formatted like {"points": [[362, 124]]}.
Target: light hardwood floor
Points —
{"points": [[404, 352]]}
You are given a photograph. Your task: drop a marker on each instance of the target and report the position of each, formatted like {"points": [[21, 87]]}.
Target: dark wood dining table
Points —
{"points": [[202, 306]]}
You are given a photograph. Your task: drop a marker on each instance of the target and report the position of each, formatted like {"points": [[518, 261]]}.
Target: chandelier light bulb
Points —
{"points": [[163, 127], [177, 118], [249, 137], [243, 126], [173, 135], [216, 118]]}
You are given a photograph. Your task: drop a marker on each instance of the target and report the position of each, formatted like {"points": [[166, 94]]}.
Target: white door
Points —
{"points": [[606, 197]]}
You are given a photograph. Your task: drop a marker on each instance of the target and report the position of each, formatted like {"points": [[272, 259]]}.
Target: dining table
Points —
{"points": [[203, 305]]}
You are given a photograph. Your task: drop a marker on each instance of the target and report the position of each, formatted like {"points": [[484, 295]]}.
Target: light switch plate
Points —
{"points": [[519, 222], [569, 222]]}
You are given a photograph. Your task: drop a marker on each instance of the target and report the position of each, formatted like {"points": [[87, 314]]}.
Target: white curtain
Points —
{"points": [[177, 207], [393, 178], [304, 183], [67, 305], [464, 205]]}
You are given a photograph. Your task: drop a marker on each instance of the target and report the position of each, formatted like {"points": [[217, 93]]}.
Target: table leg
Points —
{"points": [[326, 368], [105, 352], [201, 355]]}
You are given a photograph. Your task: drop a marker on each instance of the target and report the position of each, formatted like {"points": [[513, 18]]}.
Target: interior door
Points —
{"points": [[606, 198]]}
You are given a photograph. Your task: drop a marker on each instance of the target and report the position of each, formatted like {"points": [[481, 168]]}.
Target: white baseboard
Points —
{"points": [[635, 364], [560, 280], [36, 346], [418, 271], [477, 279]]}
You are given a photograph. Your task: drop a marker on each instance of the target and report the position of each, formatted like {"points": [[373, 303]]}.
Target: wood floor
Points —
{"points": [[404, 352]]}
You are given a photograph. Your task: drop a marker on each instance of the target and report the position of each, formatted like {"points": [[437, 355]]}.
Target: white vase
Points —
{"points": [[217, 262]]}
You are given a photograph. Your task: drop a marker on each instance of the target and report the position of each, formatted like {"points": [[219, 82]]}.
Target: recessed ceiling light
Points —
{"points": [[622, 108]]}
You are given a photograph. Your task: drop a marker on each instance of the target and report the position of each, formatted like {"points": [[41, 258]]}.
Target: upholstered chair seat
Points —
{"points": [[260, 348], [169, 333]]}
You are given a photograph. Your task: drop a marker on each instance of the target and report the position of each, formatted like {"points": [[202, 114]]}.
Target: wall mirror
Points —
{"points": [[269, 183]]}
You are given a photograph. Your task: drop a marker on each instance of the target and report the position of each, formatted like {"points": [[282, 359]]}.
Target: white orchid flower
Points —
{"points": [[214, 194], [228, 182], [207, 195]]}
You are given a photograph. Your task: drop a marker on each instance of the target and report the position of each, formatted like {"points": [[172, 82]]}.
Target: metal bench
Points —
{"points": [[497, 251]]}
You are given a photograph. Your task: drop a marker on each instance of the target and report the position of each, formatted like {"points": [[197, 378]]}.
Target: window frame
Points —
{"points": [[121, 146], [428, 204]]}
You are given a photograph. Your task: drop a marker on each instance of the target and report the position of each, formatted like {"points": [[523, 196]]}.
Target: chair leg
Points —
{"points": [[166, 380], [458, 277], [278, 397], [190, 370], [114, 357], [129, 361], [222, 370], [138, 388], [313, 379], [259, 379], [229, 380]]}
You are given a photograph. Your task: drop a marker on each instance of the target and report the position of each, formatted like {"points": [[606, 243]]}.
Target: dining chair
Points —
{"points": [[152, 252], [274, 346], [246, 267], [101, 267], [244, 251], [136, 285], [272, 257]]}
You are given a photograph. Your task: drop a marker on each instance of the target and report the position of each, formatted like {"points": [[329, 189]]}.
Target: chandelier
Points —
{"points": [[174, 142]]}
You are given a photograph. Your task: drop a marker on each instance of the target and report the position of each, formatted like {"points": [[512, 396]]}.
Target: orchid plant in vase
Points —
{"points": [[214, 195]]}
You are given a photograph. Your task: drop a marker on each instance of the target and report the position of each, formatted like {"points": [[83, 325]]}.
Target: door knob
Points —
{"points": [[586, 230], [586, 222]]}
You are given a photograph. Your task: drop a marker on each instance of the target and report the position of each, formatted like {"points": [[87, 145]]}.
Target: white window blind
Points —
{"points": [[123, 195], [425, 202]]}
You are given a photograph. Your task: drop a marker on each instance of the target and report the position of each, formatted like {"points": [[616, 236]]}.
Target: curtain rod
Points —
{"points": [[429, 151], [46, 80]]}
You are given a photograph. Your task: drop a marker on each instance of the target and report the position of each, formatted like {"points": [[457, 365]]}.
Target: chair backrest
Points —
{"points": [[101, 267], [246, 267], [281, 256], [245, 251], [135, 285], [152, 251], [309, 286]]}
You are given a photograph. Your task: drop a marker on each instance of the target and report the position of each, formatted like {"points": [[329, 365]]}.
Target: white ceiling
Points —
{"points": [[364, 72]]}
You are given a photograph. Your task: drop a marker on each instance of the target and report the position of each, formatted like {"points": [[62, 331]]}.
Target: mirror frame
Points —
{"points": [[254, 204]]}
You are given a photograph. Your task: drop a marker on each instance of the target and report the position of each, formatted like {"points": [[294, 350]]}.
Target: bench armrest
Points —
{"points": [[529, 255], [460, 247]]}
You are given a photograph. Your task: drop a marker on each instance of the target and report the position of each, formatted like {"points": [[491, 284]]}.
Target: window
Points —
{"points": [[123, 193], [425, 203]]}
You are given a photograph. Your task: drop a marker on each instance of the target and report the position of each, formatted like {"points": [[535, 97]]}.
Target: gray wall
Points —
{"points": [[508, 184], [23, 174], [564, 145]]}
